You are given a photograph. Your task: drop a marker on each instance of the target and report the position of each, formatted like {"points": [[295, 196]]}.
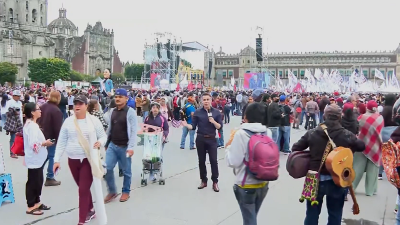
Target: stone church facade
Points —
{"points": [[25, 35], [236, 65]]}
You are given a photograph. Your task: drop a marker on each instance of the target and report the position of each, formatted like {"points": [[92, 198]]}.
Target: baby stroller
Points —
{"points": [[152, 153]]}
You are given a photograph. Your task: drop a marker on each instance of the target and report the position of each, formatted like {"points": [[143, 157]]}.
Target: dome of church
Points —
{"points": [[62, 24]]}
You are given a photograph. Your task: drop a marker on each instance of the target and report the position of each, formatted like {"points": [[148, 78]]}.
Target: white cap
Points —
{"points": [[16, 93]]}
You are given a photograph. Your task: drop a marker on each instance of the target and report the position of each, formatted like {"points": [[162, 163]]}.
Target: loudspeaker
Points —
{"points": [[159, 50], [168, 46], [178, 62], [209, 69], [259, 52]]}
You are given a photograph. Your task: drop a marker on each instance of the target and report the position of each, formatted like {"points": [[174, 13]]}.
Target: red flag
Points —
{"points": [[177, 87]]}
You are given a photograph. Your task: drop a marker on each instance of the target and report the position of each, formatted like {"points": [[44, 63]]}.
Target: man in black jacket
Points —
{"points": [[316, 140], [274, 117]]}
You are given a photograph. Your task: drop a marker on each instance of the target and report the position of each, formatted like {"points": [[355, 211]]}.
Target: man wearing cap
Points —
{"points": [[121, 132], [15, 104], [316, 141], [371, 124]]}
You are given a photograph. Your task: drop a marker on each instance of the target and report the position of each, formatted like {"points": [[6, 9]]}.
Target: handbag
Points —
{"points": [[18, 146], [297, 164]]}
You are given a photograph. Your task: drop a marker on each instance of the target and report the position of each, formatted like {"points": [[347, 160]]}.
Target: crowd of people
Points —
{"points": [[103, 117]]}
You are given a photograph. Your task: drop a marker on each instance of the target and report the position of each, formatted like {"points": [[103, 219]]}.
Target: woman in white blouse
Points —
{"points": [[81, 137], [35, 156]]}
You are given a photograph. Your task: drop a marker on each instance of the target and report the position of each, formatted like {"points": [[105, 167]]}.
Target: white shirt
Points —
{"points": [[35, 153], [32, 99], [68, 138], [71, 100]]}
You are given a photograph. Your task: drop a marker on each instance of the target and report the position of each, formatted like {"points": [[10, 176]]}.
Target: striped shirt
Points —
{"points": [[68, 139]]}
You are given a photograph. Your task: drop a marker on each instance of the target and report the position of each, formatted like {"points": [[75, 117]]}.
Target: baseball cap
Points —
{"points": [[16, 93], [282, 98], [81, 98], [121, 92], [372, 105]]}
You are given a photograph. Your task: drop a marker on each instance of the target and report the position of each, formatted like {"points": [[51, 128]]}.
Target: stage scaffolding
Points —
{"points": [[262, 67], [161, 57]]}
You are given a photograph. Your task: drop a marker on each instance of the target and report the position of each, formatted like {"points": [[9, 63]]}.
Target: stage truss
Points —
{"points": [[162, 56]]}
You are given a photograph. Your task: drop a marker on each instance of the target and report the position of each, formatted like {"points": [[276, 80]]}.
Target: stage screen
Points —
{"points": [[256, 80]]}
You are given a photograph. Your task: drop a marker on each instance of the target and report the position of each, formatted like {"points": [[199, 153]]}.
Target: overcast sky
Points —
{"points": [[289, 26]]}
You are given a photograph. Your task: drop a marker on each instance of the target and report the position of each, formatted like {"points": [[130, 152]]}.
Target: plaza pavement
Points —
{"points": [[179, 202]]}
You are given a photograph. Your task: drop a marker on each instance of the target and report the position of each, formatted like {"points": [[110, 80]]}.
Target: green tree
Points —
{"points": [[48, 70], [117, 78], [8, 72], [134, 71], [186, 63], [88, 78], [76, 76]]}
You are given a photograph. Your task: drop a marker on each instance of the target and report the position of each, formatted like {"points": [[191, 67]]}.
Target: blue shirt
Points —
{"points": [[189, 110], [108, 85]]}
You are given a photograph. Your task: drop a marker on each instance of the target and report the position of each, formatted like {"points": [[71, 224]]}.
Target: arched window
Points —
{"points": [[34, 16], [41, 7], [10, 15]]}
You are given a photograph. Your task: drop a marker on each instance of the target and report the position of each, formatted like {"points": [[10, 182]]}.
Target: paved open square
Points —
{"points": [[179, 202]]}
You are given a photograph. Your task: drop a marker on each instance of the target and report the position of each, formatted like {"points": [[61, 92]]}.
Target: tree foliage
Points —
{"points": [[76, 76], [134, 71], [8, 72], [117, 78], [48, 70], [186, 63]]}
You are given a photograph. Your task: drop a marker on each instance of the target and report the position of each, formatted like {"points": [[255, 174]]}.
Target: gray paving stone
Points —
{"points": [[179, 202]]}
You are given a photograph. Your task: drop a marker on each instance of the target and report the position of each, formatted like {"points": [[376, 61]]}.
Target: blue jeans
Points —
{"points": [[303, 112], [51, 151], [12, 139], [185, 132], [321, 117], [275, 134], [233, 107], [220, 141], [145, 114], [250, 201], [334, 202], [285, 134], [3, 120], [116, 154]]}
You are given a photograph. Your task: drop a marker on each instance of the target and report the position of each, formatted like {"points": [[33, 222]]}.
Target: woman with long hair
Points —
{"points": [[4, 110], [81, 137], [35, 148], [94, 109]]}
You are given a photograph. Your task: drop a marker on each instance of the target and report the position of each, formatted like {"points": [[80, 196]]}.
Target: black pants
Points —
{"points": [[312, 115], [207, 145], [34, 184]]}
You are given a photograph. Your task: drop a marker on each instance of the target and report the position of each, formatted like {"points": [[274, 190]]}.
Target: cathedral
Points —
{"points": [[26, 34]]}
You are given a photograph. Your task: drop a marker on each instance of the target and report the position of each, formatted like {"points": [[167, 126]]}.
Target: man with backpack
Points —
{"points": [[250, 147]]}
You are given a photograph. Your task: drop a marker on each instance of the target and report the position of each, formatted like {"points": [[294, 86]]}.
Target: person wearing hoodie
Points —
{"points": [[250, 195]]}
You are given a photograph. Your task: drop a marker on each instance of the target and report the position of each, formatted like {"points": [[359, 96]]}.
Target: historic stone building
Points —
{"points": [[25, 35], [236, 65]]}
